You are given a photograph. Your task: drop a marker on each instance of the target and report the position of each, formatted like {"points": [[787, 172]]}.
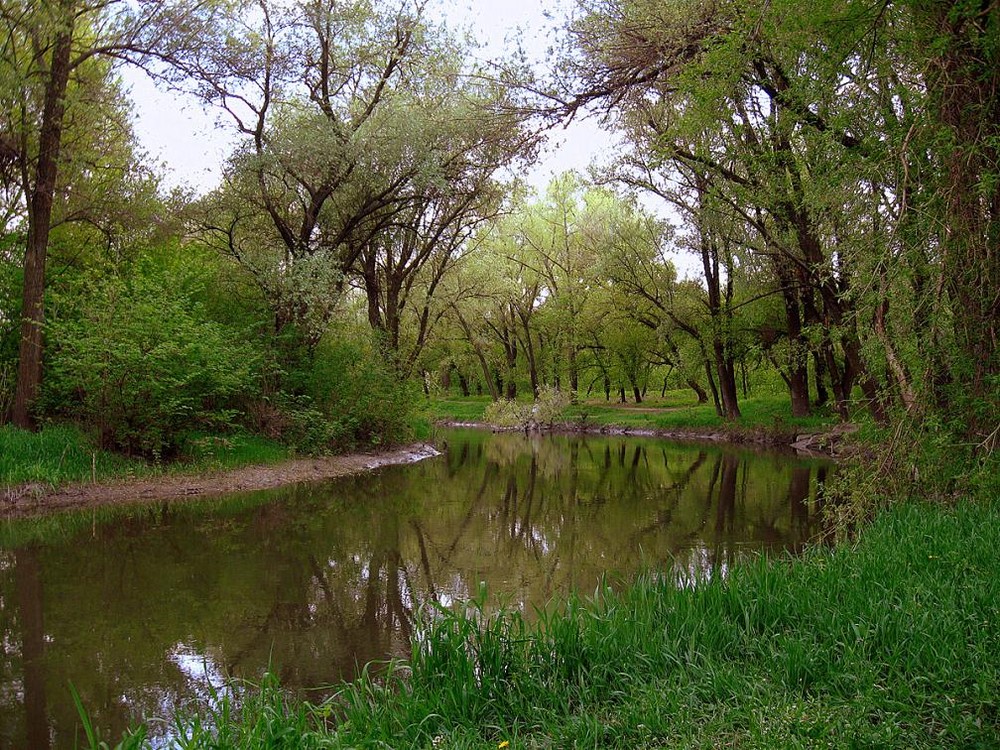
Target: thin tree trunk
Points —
{"points": [[713, 388]]}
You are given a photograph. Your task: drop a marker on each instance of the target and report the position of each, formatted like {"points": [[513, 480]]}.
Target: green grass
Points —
{"points": [[892, 643], [208, 452], [57, 455], [676, 411], [469, 409], [62, 454]]}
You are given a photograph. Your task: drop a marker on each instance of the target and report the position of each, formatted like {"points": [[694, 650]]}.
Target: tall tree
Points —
{"points": [[663, 69], [45, 45], [369, 147]]}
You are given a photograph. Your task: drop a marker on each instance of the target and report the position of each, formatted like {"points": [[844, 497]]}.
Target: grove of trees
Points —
{"points": [[830, 168]]}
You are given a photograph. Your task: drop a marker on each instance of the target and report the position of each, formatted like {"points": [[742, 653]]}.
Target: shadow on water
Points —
{"points": [[149, 608]]}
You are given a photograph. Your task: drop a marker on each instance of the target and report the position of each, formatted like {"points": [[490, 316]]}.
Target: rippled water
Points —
{"points": [[144, 609]]}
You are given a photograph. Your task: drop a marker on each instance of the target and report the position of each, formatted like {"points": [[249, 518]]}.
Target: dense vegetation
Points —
{"points": [[832, 167]]}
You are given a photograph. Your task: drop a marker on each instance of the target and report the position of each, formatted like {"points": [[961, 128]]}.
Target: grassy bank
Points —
{"points": [[58, 455], [675, 411], [890, 643]]}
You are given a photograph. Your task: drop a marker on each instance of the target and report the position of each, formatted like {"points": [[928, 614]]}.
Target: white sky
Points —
{"points": [[192, 142]]}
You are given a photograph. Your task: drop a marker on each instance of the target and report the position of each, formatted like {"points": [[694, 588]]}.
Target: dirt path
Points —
{"points": [[32, 500]]}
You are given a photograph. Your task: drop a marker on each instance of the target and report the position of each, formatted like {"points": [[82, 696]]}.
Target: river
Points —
{"points": [[145, 610]]}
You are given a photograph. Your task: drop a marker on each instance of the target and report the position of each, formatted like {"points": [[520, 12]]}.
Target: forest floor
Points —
{"points": [[32, 499]]}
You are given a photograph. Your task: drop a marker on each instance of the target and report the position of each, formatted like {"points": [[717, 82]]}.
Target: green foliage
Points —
{"points": [[926, 458], [7, 376], [64, 454], [136, 357], [549, 405], [345, 394], [10, 313], [56, 455], [508, 413], [230, 451], [131, 741], [355, 384]]}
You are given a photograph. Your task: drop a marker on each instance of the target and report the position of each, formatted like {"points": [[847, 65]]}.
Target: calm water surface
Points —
{"points": [[143, 610]]}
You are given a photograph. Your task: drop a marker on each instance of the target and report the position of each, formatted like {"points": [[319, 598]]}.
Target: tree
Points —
{"points": [[369, 150], [959, 43], [45, 45], [664, 69]]}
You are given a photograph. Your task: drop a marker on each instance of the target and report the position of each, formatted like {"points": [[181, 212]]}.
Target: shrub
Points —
{"points": [[508, 413], [549, 405], [358, 389], [137, 358], [546, 409]]}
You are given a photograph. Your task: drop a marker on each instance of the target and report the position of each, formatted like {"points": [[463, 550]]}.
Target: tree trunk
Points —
{"points": [[529, 353], [822, 396], [798, 369], [29, 368], [574, 375], [480, 356], [726, 370], [713, 388], [699, 391], [963, 80]]}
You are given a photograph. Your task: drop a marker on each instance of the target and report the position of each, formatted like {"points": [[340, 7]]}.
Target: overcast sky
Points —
{"points": [[192, 142]]}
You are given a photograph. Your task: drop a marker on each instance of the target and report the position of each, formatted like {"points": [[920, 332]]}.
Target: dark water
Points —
{"points": [[143, 609]]}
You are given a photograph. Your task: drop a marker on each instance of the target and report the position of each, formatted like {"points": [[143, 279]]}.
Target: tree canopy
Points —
{"points": [[831, 170]]}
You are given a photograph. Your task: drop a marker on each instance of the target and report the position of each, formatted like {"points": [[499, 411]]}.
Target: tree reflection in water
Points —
{"points": [[315, 581]]}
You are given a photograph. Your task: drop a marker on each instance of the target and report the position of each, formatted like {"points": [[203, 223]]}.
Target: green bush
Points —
{"points": [[358, 389], [10, 313], [549, 405], [137, 358]]}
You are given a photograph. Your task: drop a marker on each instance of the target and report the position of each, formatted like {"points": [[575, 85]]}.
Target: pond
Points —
{"points": [[143, 609]]}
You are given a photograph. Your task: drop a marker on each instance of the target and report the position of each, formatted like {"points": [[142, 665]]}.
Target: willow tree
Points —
{"points": [[368, 153], [773, 146], [957, 46], [454, 133]]}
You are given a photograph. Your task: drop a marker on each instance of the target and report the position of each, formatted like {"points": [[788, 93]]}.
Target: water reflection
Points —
{"points": [[146, 613]]}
